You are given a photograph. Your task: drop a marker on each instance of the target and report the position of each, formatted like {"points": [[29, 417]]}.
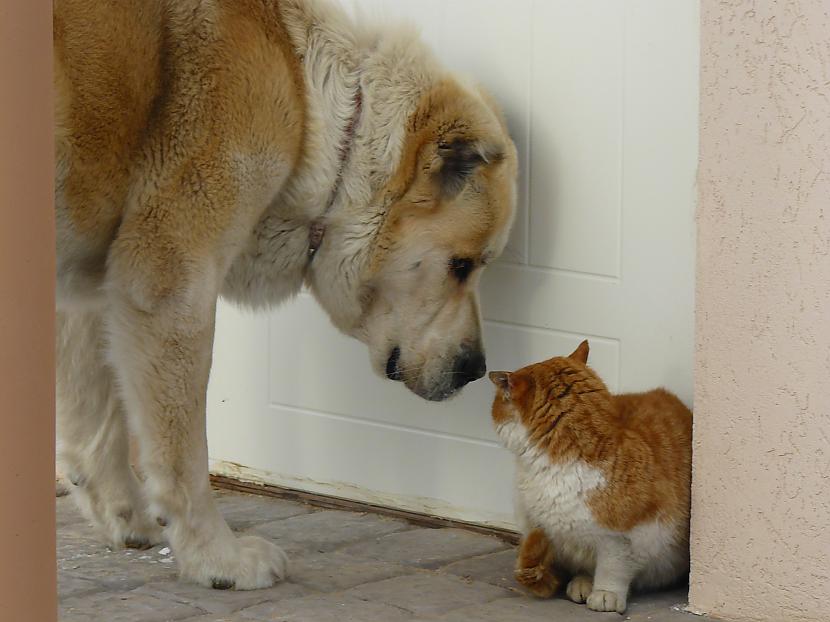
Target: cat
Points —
{"points": [[602, 481]]}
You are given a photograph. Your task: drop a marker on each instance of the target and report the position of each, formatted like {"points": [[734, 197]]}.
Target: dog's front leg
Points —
{"points": [[161, 336], [93, 448]]}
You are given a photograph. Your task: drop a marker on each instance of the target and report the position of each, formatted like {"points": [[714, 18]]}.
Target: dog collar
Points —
{"points": [[317, 230]]}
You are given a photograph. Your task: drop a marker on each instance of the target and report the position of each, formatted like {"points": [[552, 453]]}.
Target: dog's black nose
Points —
{"points": [[393, 372], [469, 366]]}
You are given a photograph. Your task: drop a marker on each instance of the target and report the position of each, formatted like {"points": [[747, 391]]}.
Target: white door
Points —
{"points": [[602, 101]]}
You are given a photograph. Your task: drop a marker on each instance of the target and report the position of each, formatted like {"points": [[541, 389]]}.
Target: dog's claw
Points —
{"points": [[222, 584], [138, 542]]}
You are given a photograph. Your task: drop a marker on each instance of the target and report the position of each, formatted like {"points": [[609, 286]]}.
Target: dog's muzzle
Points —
{"points": [[469, 366]]}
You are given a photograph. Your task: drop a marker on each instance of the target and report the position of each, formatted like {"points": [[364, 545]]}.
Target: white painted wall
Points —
{"points": [[602, 100]]}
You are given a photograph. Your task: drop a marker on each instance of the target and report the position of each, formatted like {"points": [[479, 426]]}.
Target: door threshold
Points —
{"points": [[339, 503]]}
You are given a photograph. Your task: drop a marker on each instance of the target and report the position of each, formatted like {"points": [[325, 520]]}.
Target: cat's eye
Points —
{"points": [[461, 267]]}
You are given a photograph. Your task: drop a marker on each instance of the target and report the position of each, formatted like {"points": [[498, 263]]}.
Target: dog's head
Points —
{"points": [[450, 207]]}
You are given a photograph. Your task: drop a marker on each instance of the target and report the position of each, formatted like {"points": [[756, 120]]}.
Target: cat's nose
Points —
{"points": [[469, 366]]}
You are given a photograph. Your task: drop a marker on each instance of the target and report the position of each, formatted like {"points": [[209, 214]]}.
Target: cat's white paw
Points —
{"points": [[579, 588], [603, 600], [249, 563]]}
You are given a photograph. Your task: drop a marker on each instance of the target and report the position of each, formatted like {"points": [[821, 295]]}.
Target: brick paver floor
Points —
{"points": [[345, 567]]}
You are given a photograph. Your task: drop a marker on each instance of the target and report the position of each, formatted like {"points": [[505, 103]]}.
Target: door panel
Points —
{"points": [[576, 121]]}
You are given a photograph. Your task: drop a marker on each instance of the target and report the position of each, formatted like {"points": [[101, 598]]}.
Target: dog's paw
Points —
{"points": [[120, 517], [579, 588], [249, 563], [129, 528], [538, 580], [62, 486], [603, 600], [112, 500]]}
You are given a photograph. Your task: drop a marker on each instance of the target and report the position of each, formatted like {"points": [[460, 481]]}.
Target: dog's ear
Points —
{"points": [[458, 160]]}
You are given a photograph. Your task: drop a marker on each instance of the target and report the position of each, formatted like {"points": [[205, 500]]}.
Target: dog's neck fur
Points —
{"points": [[392, 70]]}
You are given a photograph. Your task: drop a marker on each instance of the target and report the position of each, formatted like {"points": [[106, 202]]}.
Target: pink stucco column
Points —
{"points": [[27, 316], [761, 498]]}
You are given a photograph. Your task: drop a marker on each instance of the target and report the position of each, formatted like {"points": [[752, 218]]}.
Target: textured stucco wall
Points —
{"points": [[761, 499]]}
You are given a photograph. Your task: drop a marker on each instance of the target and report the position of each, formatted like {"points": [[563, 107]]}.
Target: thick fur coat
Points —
{"points": [[198, 145], [602, 481]]}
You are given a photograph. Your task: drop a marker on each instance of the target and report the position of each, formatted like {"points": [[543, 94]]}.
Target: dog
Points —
{"points": [[248, 148]]}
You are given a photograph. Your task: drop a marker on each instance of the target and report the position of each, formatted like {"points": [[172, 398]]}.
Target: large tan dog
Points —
{"points": [[245, 148]]}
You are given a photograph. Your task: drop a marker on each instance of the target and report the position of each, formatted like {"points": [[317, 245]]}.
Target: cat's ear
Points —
{"points": [[581, 353], [502, 381], [512, 385]]}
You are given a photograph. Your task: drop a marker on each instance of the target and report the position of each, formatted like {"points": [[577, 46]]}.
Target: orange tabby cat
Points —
{"points": [[602, 481]]}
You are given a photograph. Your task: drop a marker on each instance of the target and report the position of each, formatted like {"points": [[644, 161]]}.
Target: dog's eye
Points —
{"points": [[461, 268]]}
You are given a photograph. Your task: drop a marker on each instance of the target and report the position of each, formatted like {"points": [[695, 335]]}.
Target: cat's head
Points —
{"points": [[532, 403]]}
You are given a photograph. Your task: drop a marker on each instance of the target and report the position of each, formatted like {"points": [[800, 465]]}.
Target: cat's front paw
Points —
{"points": [[538, 580], [603, 600], [579, 588]]}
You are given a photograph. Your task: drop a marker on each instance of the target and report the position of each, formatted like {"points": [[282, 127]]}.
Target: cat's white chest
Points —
{"points": [[557, 494], [555, 498]]}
